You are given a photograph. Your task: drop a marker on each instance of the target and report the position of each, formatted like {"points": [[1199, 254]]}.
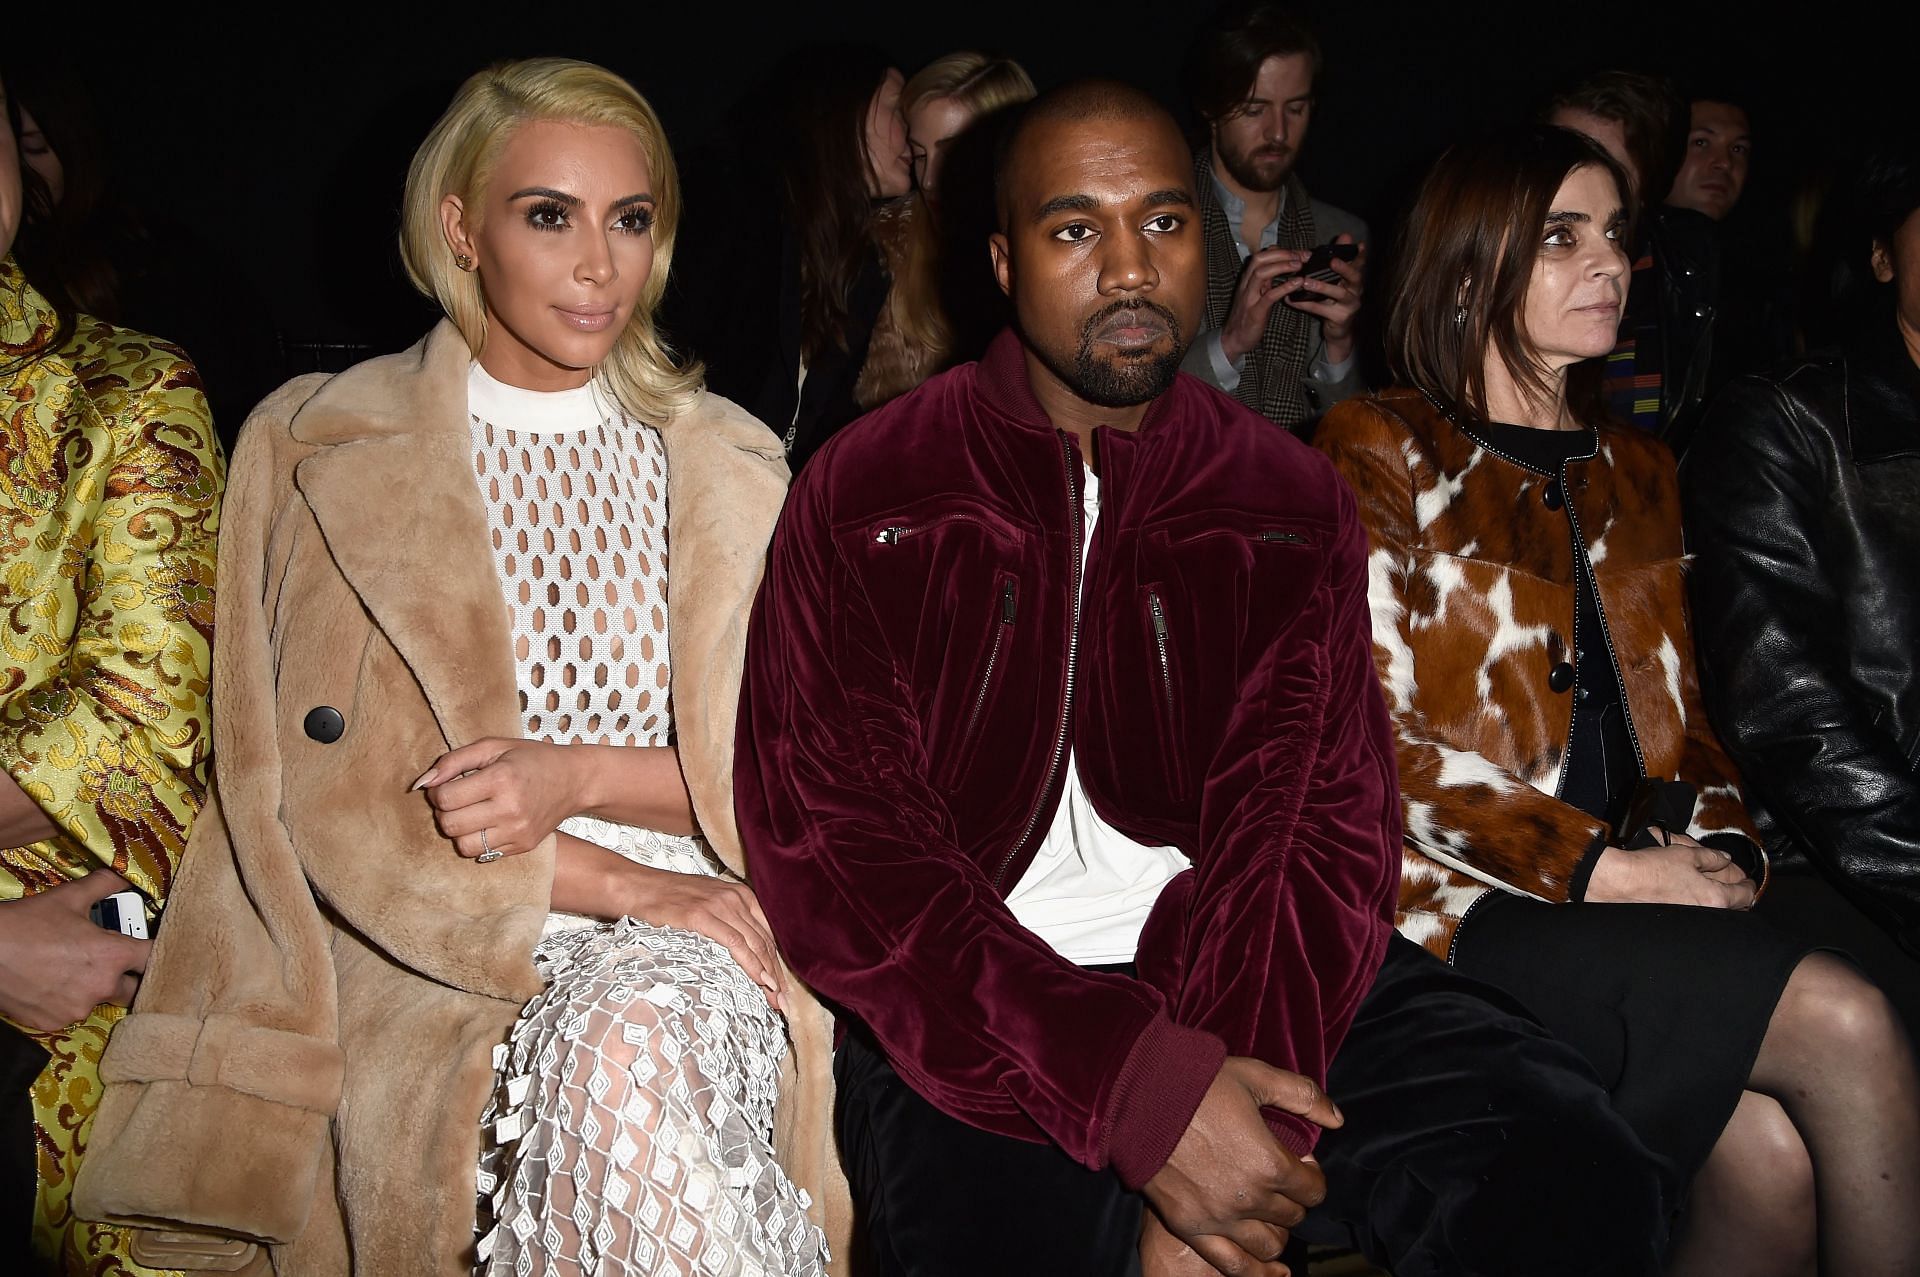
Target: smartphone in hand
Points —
{"points": [[123, 911], [1319, 265]]}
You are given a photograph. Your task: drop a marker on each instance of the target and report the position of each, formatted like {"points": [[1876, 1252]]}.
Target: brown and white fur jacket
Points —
{"points": [[1473, 595]]}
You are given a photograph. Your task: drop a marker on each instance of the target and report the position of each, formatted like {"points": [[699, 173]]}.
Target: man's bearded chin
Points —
{"points": [[1118, 381], [1259, 170]]}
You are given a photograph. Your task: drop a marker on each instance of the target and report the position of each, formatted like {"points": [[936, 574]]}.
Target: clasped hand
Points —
{"points": [[1228, 1196], [502, 795], [1682, 872]]}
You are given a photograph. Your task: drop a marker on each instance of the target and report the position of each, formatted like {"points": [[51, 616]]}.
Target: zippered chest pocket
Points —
{"points": [[944, 580], [1246, 573], [980, 687], [1226, 543], [1162, 658], [925, 529], [921, 564]]}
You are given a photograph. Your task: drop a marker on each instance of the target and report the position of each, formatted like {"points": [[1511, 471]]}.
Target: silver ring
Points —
{"points": [[487, 854]]}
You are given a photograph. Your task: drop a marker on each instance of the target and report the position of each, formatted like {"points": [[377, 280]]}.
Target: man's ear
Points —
{"points": [[1882, 262], [1002, 261]]}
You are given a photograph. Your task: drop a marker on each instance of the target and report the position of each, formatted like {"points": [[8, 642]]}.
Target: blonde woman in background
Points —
{"points": [[944, 306], [947, 96], [477, 848]]}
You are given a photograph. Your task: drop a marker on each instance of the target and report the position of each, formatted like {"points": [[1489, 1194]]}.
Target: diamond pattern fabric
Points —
{"points": [[630, 1130]]}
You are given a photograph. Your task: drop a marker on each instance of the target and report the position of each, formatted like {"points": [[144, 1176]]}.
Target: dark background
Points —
{"points": [[275, 149]]}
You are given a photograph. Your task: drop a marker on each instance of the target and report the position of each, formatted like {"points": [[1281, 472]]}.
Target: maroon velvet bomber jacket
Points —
{"points": [[916, 669]]}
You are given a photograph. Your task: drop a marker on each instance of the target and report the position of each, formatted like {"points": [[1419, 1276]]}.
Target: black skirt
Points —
{"points": [[1669, 1003]]}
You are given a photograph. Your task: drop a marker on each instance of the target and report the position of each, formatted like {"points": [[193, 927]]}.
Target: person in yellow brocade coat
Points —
{"points": [[110, 483]]}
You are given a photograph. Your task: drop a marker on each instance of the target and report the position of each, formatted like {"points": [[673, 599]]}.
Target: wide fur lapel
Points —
{"points": [[391, 486], [726, 480]]}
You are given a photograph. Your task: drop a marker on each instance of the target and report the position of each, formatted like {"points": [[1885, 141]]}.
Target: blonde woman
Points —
{"points": [[478, 849], [947, 96], [944, 306]]}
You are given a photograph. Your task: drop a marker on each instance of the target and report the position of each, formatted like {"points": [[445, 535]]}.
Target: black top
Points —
{"points": [[1602, 768]]}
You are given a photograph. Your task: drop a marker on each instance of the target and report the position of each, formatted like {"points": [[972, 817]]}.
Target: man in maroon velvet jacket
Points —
{"points": [[1064, 772]]}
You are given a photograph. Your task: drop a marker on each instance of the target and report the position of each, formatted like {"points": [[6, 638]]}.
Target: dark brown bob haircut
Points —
{"points": [[1226, 56], [1650, 113], [1466, 262]]}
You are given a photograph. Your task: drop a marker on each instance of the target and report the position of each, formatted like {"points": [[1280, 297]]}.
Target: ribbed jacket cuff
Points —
{"points": [[1159, 1089]]}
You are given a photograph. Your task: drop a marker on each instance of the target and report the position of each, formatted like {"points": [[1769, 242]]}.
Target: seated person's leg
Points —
{"points": [[1802, 903], [643, 1142], [1475, 1143], [936, 1196], [1837, 1060]]}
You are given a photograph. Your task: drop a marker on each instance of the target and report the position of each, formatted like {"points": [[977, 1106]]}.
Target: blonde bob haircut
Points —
{"points": [[980, 82], [983, 84], [639, 373]]}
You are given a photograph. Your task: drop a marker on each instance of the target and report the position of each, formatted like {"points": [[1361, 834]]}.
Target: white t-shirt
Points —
{"points": [[1090, 887]]}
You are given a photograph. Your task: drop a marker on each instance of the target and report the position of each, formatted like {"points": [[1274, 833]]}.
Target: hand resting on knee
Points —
{"points": [[1681, 873], [1231, 1190]]}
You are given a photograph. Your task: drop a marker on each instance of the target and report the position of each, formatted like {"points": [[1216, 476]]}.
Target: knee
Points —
{"points": [[1759, 1180], [620, 1062], [1774, 1144], [1828, 1001], [1764, 1151]]}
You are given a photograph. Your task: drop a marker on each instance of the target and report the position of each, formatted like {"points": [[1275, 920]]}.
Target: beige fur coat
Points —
{"points": [[310, 1051]]}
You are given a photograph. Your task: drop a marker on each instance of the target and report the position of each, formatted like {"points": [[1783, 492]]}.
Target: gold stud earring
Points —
{"points": [[463, 261]]}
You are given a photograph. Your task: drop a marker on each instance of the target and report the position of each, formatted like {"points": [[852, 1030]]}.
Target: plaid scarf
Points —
{"points": [[1273, 383]]}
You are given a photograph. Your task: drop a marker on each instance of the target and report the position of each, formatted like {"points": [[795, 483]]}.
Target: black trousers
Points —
{"points": [[1474, 1144]]}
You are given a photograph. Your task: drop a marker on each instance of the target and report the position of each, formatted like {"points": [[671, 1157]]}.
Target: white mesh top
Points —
{"points": [[576, 500], [630, 1129]]}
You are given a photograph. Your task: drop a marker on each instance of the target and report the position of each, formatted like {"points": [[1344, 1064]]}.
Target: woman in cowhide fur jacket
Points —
{"points": [[1574, 832]]}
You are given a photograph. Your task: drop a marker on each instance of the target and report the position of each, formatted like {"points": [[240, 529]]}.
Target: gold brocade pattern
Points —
{"points": [[110, 482]]}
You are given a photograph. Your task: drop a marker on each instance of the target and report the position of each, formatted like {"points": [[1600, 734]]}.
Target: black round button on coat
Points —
{"points": [[1560, 677], [1551, 496], [325, 724]]}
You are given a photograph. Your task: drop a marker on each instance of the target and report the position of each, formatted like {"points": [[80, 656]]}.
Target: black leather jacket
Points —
{"points": [[1686, 262], [1802, 499]]}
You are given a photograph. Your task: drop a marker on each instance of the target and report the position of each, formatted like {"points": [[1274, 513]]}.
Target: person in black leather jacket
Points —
{"points": [[1686, 256], [1802, 495]]}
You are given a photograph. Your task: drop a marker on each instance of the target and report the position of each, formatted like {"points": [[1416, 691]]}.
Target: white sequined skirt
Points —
{"points": [[631, 1128]]}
